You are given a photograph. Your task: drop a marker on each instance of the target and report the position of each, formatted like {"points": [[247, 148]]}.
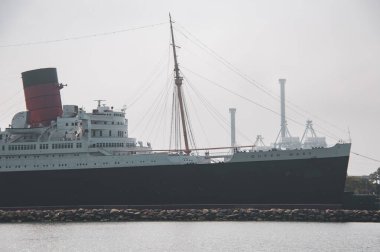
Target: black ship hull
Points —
{"points": [[305, 182]]}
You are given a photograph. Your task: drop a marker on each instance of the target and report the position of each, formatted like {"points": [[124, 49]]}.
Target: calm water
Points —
{"points": [[191, 236]]}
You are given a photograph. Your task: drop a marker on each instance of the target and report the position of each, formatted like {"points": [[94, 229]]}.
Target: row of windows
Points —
{"points": [[22, 147], [278, 155], [62, 146], [100, 133], [66, 145], [41, 146], [78, 164], [44, 146], [114, 114], [72, 124], [112, 123], [34, 166], [38, 156], [108, 145], [111, 145]]}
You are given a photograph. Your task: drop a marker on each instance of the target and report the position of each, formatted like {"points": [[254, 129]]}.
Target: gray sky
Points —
{"points": [[327, 50]]}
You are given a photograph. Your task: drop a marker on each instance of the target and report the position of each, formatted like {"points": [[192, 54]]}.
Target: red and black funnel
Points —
{"points": [[42, 96]]}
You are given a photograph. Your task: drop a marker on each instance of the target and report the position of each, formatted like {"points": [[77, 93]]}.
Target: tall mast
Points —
{"points": [[178, 82]]}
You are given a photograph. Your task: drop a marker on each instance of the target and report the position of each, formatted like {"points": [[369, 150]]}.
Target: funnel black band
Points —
{"points": [[39, 76]]}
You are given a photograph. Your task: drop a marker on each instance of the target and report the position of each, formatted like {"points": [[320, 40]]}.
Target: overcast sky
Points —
{"points": [[327, 50]]}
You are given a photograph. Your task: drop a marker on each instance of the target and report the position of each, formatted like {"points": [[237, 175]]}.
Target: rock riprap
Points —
{"points": [[217, 214]]}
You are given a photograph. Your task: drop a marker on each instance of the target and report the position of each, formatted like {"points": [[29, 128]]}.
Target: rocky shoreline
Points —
{"points": [[217, 214]]}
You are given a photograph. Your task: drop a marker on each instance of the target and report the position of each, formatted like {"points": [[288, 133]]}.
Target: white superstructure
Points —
{"points": [[79, 139]]}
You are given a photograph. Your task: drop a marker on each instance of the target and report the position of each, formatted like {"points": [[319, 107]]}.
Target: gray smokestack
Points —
{"points": [[283, 119], [233, 139]]}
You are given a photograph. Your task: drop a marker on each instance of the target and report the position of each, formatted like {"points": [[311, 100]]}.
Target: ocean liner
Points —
{"points": [[63, 156]]}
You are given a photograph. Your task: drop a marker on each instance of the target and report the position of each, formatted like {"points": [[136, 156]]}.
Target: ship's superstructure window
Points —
{"points": [[63, 146], [44, 146], [107, 145], [22, 147]]}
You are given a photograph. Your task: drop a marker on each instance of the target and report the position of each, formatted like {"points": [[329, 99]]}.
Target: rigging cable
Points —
{"points": [[160, 114], [82, 37], [363, 156], [171, 137], [217, 113], [212, 113], [188, 123], [197, 116], [250, 100], [165, 114], [207, 49], [145, 87], [289, 107], [150, 109], [226, 63], [10, 109], [154, 112]]}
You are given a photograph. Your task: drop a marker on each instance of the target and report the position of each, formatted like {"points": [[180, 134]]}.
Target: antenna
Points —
{"points": [[99, 102]]}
